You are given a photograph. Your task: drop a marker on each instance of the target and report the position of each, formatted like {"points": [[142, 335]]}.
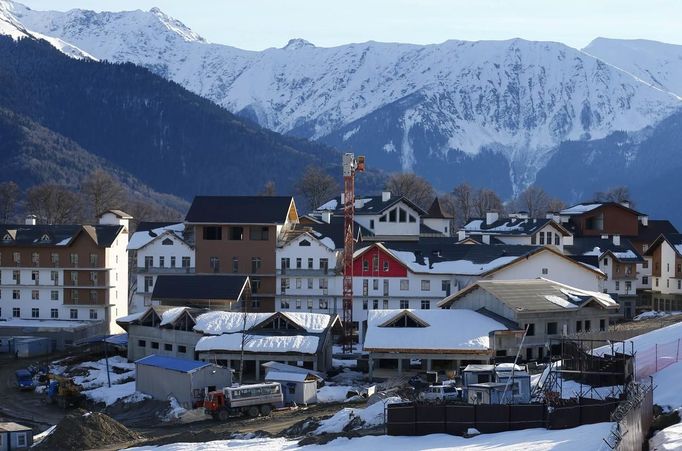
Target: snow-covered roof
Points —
{"points": [[219, 322], [301, 344], [275, 375], [443, 330], [44, 324], [465, 267], [132, 317], [580, 209], [511, 226], [170, 315], [141, 238], [311, 322]]}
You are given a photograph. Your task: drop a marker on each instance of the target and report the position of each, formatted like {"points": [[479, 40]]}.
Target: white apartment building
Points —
{"points": [[64, 276], [158, 248]]}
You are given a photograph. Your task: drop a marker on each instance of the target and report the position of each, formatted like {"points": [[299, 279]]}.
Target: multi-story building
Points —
{"points": [[157, 248], [64, 276], [239, 235], [666, 257]]}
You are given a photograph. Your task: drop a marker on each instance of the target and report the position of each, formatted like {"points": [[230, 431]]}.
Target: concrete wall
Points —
{"points": [[150, 335], [62, 337]]}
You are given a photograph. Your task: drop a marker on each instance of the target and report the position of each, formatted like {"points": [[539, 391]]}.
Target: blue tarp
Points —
{"points": [[172, 363]]}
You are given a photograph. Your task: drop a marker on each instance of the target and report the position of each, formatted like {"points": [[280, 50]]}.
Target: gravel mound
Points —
{"points": [[83, 430]]}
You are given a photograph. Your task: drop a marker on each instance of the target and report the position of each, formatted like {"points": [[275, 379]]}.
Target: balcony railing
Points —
{"points": [[164, 270], [304, 272]]}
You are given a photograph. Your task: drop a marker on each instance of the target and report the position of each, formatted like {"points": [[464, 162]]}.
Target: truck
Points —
{"points": [[24, 380], [62, 391], [251, 400]]}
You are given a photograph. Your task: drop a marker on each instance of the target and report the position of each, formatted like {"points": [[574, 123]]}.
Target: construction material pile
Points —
{"points": [[81, 429]]}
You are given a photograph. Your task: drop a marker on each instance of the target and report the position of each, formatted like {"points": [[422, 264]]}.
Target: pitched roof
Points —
{"points": [[655, 227], [436, 211], [172, 363], [673, 239], [511, 226], [10, 426], [118, 213], [596, 247], [199, 287], [43, 235], [535, 295], [586, 207], [368, 205], [239, 209], [151, 231]]}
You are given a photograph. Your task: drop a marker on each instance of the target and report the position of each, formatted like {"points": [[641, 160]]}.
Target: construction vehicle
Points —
{"points": [[251, 400], [63, 392]]}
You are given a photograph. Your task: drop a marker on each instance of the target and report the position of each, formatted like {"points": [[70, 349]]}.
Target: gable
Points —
{"points": [[400, 213], [278, 321], [405, 319], [375, 261]]}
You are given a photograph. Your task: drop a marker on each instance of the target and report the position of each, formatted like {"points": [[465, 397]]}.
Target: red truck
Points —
{"points": [[251, 400]]}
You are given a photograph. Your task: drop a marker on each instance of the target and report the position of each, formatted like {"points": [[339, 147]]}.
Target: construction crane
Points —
{"points": [[351, 165]]}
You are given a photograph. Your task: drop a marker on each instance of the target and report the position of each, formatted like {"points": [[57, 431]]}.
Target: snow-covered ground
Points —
{"points": [[371, 416], [333, 393], [586, 438], [669, 438]]}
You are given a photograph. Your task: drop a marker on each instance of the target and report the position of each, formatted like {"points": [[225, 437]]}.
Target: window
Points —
{"points": [[385, 265], [404, 304], [645, 264], [54, 295], [606, 261], [324, 264], [542, 238], [16, 312], [304, 243], [155, 345], [310, 283], [310, 304], [365, 287], [35, 295], [323, 284], [214, 264], [93, 277], [16, 294], [235, 264], [426, 285], [385, 287], [617, 285], [375, 284], [185, 262], [167, 242], [182, 349], [365, 265], [283, 304], [578, 326], [16, 276], [54, 313], [557, 240], [148, 284], [54, 277], [285, 264], [259, 233], [310, 263], [94, 260], [35, 258], [74, 278], [142, 343], [645, 280], [35, 313], [93, 313], [93, 296], [236, 233], [162, 262], [256, 264], [588, 325], [285, 283], [167, 347], [375, 263], [402, 215], [298, 283], [323, 304], [298, 304], [16, 256], [364, 304], [602, 325], [21, 440], [375, 304], [404, 284], [392, 216], [445, 286], [54, 258], [371, 224], [73, 259], [533, 240], [385, 304], [74, 296], [299, 263], [172, 262], [426, 305], [545, 271], [148, 262], [552, 328], [628, 285], [213, 233], [73, 313]]}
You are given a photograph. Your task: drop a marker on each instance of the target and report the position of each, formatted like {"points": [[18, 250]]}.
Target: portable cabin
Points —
{"points": [[297, 388]]}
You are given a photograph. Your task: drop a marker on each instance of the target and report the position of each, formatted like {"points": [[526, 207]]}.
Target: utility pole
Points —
{"points": [[350, 166]]}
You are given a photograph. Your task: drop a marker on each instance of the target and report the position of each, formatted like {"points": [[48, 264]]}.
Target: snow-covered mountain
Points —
{"points": [[656, 63], [453, 111]]}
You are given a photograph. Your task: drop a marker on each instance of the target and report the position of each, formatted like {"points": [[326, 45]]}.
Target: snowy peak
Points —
{"points": [[176, 26], [656, 63], [297, 43]]}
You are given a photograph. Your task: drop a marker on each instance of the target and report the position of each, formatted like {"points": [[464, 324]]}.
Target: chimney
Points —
{"points": [[461, 235], [491, 217], [31, 220], [625, 203], [486, 239], [616, 240], [644, 220], [327, 216], [385, 196]]}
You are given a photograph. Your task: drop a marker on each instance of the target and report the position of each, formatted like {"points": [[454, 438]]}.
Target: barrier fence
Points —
{"points": [[656, 358]]}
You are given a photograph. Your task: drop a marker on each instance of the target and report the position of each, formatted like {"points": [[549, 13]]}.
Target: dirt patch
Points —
{"points": [[81, 429]]}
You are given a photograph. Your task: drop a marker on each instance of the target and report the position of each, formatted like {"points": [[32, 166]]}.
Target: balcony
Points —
{"points": [[304, 272], [164, 270]]}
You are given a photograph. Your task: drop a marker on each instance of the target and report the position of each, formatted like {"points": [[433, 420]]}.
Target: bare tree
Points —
{"points": [[487, 200], [316, 186], [53, 204], [413, 187], [615, 194], [555, 205], [534, 200], [9, 194], [103, 192], [268, 189], [463, 202]]}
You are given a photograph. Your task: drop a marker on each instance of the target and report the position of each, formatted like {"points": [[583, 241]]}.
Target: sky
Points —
{"points": [[260, 24]]}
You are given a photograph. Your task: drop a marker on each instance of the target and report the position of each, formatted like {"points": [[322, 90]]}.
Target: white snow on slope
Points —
{"points": [[581, 438]]}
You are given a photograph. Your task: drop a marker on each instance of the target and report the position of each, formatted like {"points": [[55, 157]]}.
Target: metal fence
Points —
{"points": [[656, 358]]}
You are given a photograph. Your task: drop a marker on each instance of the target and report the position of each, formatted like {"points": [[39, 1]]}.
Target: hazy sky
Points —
{"points": [[259, 24]]}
